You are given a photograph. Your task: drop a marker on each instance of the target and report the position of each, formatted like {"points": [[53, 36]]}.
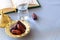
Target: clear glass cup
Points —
{"points": [[23, 11]]}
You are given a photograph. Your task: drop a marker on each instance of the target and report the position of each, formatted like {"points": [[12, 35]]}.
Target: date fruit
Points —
{"points": [[34, 16], [18, 28], [16, 32]]}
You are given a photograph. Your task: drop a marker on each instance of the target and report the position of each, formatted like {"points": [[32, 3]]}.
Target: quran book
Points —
{"points": [[10, 5]]}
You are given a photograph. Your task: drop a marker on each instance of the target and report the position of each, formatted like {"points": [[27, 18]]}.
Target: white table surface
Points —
{"points": [[48, 25]]}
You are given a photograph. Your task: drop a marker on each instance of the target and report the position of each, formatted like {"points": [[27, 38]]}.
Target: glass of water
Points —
{"points": [[23, 11]]}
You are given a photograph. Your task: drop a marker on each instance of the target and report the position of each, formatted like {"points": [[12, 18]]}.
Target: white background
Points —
{"points": [[48, 25]]}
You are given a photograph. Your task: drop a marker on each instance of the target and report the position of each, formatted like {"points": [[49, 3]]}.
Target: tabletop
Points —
{"points": [[47, 27]]}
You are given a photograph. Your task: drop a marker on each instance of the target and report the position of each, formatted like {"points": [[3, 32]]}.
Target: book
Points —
{"points": [[11, 5]]}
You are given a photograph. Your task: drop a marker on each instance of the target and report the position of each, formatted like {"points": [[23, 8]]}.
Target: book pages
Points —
{"points": [[33, 2], [30, 2], [5, 4], [18, 2]]}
